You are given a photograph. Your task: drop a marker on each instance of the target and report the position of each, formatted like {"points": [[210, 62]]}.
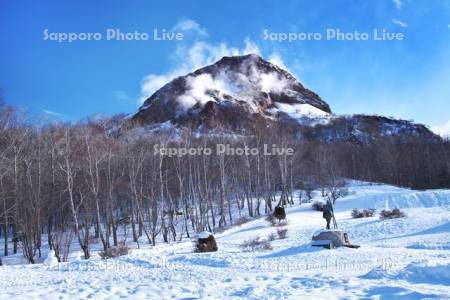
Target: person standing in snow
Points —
{"points": [[328, 213]]}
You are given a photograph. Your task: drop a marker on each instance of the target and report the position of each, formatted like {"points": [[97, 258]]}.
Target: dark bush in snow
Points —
{"points": [[279, 213], [370, 212], [363, 213], [271, 219], [317, 205], [356, 214], [206, 242], [115, 251], [274, 221], [282, 233], [391, 214], [255, 244]]}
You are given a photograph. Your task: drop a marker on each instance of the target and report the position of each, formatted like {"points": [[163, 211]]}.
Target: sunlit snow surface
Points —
{"points": [[406, 258], [304, 114]]}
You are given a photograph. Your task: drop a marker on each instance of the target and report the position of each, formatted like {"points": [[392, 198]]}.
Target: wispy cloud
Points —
{"points": [[399, 23], [398, 4], [188, 25], [52, 113], [188, 57], [121, 95]]}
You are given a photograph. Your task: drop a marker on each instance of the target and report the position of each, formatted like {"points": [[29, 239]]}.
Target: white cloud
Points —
{"points": [[194, 57], [237, 85], [398, 4], [188, 25], [151, 83], [399, 23], [251, 47], [52, 113], [275, 59], [271, 83], [198, 87], [443, 130], [189, 57]]}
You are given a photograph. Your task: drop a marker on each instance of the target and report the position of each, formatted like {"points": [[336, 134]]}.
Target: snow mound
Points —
{"points": [[204, 234], [389, 197], [319, 231], [416, 272], [76, 256], [422, 273], [51, 259]]}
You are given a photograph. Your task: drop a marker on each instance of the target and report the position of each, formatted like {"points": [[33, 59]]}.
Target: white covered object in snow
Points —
{"points": [[204, 235], [331, 239], [51, 259], [76, 256]]}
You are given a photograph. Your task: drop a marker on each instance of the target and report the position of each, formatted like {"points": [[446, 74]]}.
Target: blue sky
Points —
{"points": [[69, 81]]}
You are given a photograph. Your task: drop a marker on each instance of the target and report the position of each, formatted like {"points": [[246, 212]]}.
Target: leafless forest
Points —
{"points": [[64, 183]]}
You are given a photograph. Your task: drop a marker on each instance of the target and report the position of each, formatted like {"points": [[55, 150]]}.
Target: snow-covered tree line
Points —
{"points": [[61, 183]]}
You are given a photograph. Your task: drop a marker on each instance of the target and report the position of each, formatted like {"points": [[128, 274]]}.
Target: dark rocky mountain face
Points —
{"points": [[234, 93], [237, 94], [363, 129]]}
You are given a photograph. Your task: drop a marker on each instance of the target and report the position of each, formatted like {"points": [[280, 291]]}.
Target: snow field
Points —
{"points": [[405, 258]]}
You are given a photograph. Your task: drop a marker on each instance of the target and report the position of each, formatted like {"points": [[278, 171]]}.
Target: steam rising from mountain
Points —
{"points": [[238, 93]]}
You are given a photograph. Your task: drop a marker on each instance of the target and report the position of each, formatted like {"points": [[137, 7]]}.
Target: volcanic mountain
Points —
{"points": [[239, 93]]}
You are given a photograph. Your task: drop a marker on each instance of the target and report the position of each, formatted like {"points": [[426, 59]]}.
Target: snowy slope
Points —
{"points": [[406, 258], [305, 114]]}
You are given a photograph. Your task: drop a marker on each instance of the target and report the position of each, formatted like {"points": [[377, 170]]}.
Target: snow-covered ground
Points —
{"points": [[304, 114], [407, 258]]}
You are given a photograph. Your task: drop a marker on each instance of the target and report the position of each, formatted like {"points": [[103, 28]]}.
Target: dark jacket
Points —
{"points": [[327, 211]]}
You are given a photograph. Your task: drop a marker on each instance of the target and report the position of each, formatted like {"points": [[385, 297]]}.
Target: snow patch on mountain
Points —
{"points": [[301, 111]]}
